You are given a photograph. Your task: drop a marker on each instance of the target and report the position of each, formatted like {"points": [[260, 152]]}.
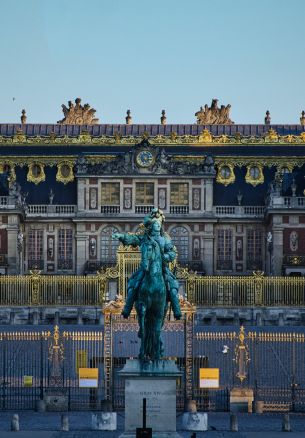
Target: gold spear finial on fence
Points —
{"points": [[242, 357]]}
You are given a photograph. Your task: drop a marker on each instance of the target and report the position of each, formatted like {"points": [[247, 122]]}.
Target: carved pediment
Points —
{"points": [[145, 158]]}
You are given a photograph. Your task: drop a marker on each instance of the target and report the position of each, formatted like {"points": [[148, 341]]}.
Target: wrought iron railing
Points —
{"points": [[52, 290], [268, 362], [247, 291], [207, 291]]}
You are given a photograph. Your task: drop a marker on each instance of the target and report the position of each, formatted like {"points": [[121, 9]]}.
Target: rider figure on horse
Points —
{"points": [[153, 237]]}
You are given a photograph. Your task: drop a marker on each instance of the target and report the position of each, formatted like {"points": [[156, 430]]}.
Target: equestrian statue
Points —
{"points": [[153, 286]]}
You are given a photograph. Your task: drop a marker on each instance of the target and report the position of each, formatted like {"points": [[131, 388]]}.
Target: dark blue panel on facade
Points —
{"points": [[251, 195], [39, 194]]}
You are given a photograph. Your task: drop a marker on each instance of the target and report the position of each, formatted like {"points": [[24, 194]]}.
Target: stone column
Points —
{"points": [[277, 251], [81, 185], [12, 254], [208, 195], [81, 249], [208, 249]]}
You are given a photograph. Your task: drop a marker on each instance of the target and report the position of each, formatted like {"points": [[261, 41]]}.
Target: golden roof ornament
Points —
{"points": [[214, 115], [78, 114], [272, 136], [205, 136]]}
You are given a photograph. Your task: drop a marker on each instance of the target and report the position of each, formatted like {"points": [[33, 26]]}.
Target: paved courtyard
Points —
{"points": [[47, 425]]}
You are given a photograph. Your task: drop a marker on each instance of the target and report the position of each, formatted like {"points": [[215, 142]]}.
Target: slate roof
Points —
{"points": [[222, 195], [105, 129]]}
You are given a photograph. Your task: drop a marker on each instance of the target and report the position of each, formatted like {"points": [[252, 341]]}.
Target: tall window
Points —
{"points": [[144, 193], [254, 248], [224, 249], [65, 249], [179, 194], [35, 249], [180, 238], [110, 193], [109, 246]]}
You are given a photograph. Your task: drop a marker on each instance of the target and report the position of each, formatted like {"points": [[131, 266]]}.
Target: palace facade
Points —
{"points": [[233, 195]]}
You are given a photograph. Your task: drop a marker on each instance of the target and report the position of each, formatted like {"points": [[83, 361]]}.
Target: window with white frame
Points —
{"points": [[144, 193], [180, 238], [35, 249], [109, 246], [110, 193], [65, 249], [224, 249], [179, 194], [254, 248]]}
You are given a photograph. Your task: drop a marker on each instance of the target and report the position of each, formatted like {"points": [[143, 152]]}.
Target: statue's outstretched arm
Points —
{"points": [[127, 239]]}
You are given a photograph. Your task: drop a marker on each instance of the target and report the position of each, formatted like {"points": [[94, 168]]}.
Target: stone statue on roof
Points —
{"points": [[78, 114], [214, 115]]}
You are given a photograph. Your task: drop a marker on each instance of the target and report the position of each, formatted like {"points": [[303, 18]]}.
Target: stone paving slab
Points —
{"points": [[210, 434], [47, 425]]}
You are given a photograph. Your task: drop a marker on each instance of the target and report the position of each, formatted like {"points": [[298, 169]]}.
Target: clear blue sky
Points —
{"points": [[149, 55]]}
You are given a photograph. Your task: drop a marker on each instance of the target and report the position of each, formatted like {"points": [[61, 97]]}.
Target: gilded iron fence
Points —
{"points": [[34, 363], [29, 369], [209, 291], [52, 290], [272, 363], [245, 291]]}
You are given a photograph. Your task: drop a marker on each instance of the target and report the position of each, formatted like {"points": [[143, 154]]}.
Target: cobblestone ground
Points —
{"points": [[47, 425]]}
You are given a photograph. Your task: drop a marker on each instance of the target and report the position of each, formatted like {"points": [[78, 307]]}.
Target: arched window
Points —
{"points": [[109, 246], [180, 238]]}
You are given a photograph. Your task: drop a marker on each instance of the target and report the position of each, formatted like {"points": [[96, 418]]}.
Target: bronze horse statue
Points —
{"points": [[153, 285]]}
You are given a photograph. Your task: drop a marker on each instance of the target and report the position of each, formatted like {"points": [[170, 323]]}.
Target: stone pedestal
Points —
{"points": [[195, 421], [55, 400], [241, 400], [157, 383], [104, 421]]}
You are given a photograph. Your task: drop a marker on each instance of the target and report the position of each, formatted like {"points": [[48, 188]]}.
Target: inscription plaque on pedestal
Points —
{"points": [[155, 381]]}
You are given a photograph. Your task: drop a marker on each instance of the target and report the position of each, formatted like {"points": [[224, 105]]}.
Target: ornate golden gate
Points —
{"points": [[114, 323]]}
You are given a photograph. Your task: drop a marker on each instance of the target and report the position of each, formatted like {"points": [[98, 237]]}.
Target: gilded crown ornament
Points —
{"points": [[214, 115], [78, 114]]}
